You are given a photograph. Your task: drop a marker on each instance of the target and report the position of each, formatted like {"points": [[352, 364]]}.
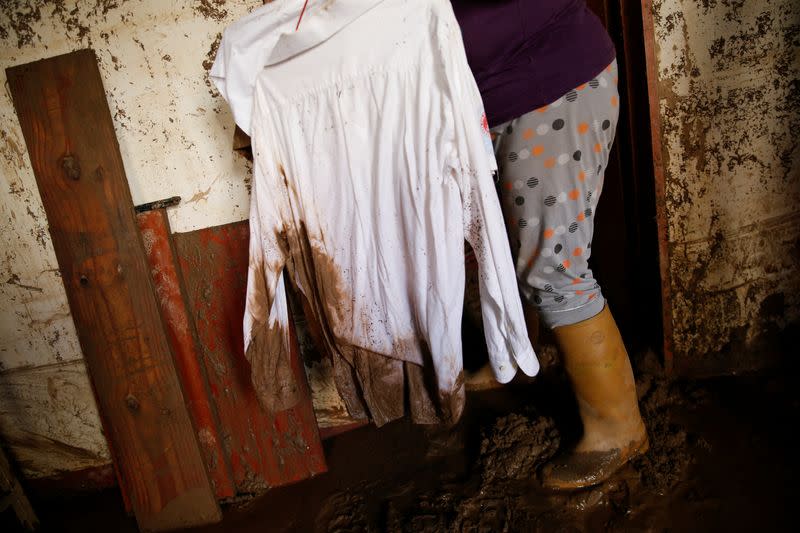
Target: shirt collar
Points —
{"points": [[320, 22]]}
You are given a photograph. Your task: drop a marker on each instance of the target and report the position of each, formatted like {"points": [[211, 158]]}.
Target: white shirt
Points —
{"points": [[372, 165]]}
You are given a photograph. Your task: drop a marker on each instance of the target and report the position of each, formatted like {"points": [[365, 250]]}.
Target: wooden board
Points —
{"points": [[12, 495], [158, 245], [659, 189], [263, 451], [68, 130]]}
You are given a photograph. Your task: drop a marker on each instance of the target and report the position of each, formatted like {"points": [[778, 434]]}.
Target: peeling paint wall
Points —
{"points": [[729, 89], [175, 135]]}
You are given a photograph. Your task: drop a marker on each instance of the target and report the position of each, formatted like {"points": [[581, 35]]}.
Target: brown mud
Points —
{"points": [[386, 387], [721, 458]]}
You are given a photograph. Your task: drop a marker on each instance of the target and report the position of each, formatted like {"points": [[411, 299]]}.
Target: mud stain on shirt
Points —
{"points": [[382, 386]]}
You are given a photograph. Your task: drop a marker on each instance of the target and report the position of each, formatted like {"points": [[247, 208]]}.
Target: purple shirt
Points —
{"points": [[527, 53]]}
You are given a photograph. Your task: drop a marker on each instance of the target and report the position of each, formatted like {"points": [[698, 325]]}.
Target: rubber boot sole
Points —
{"points": [[553, 483]]}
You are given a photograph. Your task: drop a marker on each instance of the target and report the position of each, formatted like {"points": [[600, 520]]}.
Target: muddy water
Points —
{"points": [[721, 458]]}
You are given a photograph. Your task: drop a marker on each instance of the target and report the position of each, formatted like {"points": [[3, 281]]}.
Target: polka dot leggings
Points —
{"points": [[552, 162]]}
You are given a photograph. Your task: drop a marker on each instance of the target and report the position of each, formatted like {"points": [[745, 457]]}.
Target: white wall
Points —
{"points": [[727, 85]]}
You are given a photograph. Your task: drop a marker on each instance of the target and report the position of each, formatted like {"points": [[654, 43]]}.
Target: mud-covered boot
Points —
{"points": [[598, 367]]}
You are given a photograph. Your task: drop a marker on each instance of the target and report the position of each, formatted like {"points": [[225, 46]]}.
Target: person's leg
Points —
{"points": [[552, 166]]}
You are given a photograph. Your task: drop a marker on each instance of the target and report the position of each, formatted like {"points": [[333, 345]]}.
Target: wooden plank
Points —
{"points": [[75, 156], [660, 183], [264, 451], [158, 245]]}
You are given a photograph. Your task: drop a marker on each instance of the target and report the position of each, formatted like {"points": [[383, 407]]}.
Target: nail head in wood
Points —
{"points": [[71, 167], [132, 402]]}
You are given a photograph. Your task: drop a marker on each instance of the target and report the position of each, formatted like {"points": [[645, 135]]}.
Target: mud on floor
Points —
{"points": [[721, 458], [698, 474]]}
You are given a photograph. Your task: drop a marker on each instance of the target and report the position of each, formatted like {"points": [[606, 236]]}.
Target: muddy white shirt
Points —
{"points": [[371, 168]]}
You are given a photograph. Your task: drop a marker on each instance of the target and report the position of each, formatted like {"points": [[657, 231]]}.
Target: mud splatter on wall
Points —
{"points": [[729, 97], [175, 137]]}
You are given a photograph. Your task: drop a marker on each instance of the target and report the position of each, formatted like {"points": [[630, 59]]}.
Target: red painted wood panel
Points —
{"points": [[264, 451], [154, 227]]}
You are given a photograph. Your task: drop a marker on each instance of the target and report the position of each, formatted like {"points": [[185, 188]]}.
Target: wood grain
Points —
{"points": [[660, 183], [69, 134]]}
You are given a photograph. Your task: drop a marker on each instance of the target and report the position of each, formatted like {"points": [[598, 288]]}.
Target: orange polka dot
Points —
{"points": [[608, 68], [566, 263], [550, 162], [549, 232], [527, 134], [598, 148], [591, 296], [616, 80], [577, 252], [537, 150], [581, 175], [542, 109], [614, 101], [578, 292], [580, 87], [574, 194], [533, 257], [583, 128], [580, 217], [576, 281]]}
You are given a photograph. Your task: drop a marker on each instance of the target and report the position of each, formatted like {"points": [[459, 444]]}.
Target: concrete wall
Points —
{"points": [[175, 136], [729, 97]]}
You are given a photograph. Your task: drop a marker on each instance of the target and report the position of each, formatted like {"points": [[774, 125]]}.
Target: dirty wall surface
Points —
{"points": [[175, 134], [729, 101]]}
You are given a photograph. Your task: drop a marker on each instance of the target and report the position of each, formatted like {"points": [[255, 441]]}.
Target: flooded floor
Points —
{"points": [[721, 459]]}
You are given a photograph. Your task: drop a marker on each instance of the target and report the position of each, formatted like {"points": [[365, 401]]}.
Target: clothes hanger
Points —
{"points": [[301, 15]]}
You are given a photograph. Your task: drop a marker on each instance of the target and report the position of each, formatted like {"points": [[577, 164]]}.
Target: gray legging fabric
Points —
{"points": [[552, 162]]}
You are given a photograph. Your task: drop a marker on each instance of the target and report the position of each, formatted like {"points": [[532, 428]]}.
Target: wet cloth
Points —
{"points": [[552, 162], [372, 165], [527, 53]]}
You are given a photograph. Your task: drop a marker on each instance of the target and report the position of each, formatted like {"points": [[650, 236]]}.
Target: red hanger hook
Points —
{"points": [[301, 15]]}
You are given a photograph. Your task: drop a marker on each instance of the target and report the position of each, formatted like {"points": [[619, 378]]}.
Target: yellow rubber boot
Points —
{"points": [[598, 367]]}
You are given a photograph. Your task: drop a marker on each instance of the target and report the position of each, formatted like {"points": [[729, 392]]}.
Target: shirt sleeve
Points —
{"points": [[241, 56], [503, 320], [504, 324], [266, 319], [234, 73]]}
